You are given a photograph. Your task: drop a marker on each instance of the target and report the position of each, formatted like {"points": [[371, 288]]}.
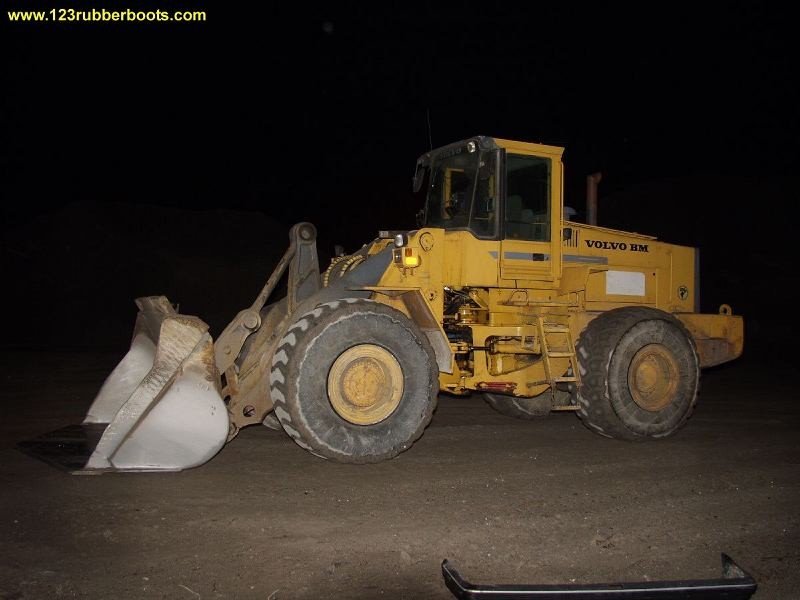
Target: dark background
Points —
{"points": [[171, 158]]}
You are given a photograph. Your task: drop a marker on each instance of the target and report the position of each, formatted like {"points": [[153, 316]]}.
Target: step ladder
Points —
{"points": [[555, 341]]}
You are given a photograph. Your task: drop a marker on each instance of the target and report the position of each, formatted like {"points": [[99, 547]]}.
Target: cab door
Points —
{"points": [[532, 217]]}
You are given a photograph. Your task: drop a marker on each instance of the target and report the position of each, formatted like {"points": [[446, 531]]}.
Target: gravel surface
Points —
{"points": [[505, 500]]}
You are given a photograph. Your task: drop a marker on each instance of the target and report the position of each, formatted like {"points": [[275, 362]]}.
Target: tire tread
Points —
{"points": [[287, 364]]}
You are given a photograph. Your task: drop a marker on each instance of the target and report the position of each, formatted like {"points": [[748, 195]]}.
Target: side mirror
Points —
{"points": [[567, 233]]}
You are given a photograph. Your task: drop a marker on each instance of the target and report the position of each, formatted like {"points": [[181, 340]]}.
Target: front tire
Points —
{"points": [[640, 374], [354, 381]]}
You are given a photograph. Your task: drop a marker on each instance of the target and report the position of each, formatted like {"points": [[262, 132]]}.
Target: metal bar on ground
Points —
{"points": [[735, 584]]}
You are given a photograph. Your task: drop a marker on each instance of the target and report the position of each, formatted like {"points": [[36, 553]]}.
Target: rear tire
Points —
{"points": [[354, 381], [525, 408], [640, 374]]}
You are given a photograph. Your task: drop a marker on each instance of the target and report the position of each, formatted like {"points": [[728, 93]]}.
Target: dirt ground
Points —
{"points": [[505, 500]]}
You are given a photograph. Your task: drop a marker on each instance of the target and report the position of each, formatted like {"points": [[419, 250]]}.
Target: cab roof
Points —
{"points": [[532, 147], [488, 143]]}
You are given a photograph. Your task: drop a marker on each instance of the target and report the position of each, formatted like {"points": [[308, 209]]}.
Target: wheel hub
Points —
{"points": [[653, 377], [365, 384]]}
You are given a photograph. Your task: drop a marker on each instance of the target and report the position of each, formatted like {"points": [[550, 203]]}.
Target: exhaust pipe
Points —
{"points": [[592, 181]]}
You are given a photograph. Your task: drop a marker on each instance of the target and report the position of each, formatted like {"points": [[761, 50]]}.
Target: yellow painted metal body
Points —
{"points": [[584, 271]]}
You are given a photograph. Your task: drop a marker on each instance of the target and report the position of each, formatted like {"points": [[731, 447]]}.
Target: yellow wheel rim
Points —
{"points": [[653, 377], [365, 384]]}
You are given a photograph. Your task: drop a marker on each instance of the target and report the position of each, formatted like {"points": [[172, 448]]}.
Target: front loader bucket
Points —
{"points": [[159, 410]]}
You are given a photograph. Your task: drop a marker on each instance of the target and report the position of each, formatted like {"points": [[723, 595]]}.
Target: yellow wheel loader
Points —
{"points": [[494, 295]]}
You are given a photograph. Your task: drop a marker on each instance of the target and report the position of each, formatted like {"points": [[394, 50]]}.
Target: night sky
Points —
{"points": [[311, 114]]}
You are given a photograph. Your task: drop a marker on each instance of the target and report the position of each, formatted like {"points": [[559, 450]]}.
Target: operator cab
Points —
{"points": [[464, 192], [498, 190]]}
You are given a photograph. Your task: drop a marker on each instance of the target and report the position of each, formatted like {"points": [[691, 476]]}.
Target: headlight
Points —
{"points": [[406, 258], [410, 258], [400, 240]]}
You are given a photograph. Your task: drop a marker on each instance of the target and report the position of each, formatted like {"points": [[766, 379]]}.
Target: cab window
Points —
{"points": [[527, 198], [462, 192]]}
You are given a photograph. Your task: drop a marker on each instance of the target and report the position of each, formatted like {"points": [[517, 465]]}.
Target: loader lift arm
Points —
{"points": [[245, 400], [303, 281]]}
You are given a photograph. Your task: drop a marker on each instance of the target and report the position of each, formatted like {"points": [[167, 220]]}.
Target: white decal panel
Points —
{"points": [[625, 283]]}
